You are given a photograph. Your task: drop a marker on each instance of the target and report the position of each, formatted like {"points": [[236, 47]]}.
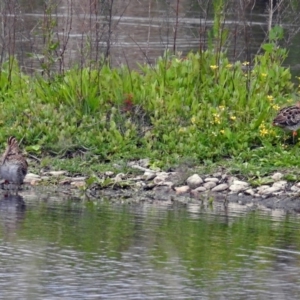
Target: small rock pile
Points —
{"points": [[195, 185]]}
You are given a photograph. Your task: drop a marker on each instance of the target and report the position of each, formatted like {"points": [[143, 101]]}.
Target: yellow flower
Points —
{"points": [[263, 74], [229, 66], [290, 101], [182, 129], [213, 67], [222, 107], [270, 97], [245, 63], [216, 118], [263, 131], [276, 106], [233, 118], [193, 120], [222, 131]]}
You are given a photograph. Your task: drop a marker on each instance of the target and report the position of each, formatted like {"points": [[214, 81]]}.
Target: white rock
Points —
{"points": [[281, 184], [298, 184], [148, 175], [109, 173], [200, 189], [239, 182], [211, 179], [217, 174], [231, 179], [161, 177], [250, 192], [270, 190], [209, 185], [295, 188], [182, 189], [32, 176], [277, 176], [261, 188], [82, 178], [170, 184], [119, 177], [237, 188], [194, 181], [55, 173], [221, 187]]}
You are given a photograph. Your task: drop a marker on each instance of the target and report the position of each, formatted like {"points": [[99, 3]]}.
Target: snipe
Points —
{"points": [[13, 167], [289, 118]]}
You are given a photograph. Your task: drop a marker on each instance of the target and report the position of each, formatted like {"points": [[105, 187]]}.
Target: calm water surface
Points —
{"points": [[66, 249]]}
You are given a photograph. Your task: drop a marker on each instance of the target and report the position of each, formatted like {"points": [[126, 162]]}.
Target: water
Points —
{"points": [[65, 249], [65, 33]]}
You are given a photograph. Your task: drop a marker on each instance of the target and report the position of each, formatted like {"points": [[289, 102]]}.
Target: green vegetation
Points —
{"points": [[200, 107]]}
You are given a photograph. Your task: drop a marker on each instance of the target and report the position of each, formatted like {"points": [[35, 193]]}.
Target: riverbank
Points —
{"points": [[278, 190]]}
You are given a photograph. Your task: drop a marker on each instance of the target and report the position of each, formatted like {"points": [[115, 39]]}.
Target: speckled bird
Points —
{"points": [[13, 167], [289, 118]]}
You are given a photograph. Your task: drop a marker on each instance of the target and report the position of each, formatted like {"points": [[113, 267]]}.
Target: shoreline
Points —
{"points": [[183, 186]]}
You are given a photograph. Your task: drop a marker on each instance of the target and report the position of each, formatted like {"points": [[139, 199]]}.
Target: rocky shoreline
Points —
{"points": [[154, 186]]}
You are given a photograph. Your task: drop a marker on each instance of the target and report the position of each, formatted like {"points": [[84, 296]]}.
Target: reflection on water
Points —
{"points": [[96, 250]]}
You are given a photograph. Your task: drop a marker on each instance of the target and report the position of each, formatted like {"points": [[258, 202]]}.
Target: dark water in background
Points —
{"points": [[54, 249], [130, 31]]}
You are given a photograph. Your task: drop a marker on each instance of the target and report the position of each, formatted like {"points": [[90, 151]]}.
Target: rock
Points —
{"points": [[220, 188], [144, 162], [270, 190], [65, 181], [32, 176], [249, 192], [182, 189], [82, 178], [217, 174], [78, 183], [161, 177], [170, 184], [231, 179], [295, 188], [281, 184], [239, 182], [119, 177], [200, 189], [298, 184], [109, 173], [194, 181], [238, 186], [149, 175], [277, 176], [261, 189], [209, 185], [55, 173], [211, 179]]}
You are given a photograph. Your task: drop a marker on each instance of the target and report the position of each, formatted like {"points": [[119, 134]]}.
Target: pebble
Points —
{"points": [[220, 188], [161, 177], [182, 189], [209, 185], [55, 173], [149, 175], [211, 179], [277, 176], [200, 189], [194, 181], [237, 188], [109, 173]]}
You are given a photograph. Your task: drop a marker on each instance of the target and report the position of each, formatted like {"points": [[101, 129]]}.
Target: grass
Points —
{"points": [[200, 108]]}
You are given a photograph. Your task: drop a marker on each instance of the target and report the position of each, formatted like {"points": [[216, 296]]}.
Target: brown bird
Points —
{"points": [[289, 118], [13, 166]]}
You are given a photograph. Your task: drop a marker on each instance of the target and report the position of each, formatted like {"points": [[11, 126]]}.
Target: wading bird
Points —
{"points": [[13, 166], [289, 118]]}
